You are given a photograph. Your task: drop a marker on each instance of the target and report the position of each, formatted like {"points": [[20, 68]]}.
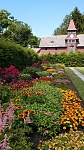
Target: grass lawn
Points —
{"points": [[80, 69], [78, 83]]}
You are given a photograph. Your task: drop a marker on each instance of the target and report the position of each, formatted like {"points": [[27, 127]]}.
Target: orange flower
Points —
{"points": [[3, 113], [18, 107], [38, 93], [21, 115], [29, 94], [25, 112], [32, 112]]}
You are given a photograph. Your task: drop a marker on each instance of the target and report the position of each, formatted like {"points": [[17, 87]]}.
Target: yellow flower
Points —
{"points": [[71, 129], [64, 128], [71, 126]]}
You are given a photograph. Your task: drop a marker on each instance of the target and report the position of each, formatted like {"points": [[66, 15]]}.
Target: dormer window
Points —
{"points": [[52, 42]]}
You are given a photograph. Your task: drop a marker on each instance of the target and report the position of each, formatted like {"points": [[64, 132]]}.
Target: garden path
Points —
{"points": [[77, 73]]}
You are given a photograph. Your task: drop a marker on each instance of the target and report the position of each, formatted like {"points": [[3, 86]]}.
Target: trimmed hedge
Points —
{"points": [[16, 55], [69, 60], [20, 57]]}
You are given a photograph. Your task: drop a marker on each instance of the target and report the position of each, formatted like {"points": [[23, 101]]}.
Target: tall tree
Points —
{"points": [[17, 31], [78, 20], [5, 20]]}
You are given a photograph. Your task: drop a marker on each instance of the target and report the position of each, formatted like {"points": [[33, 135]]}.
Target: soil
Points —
{"points": [[36, 137]]}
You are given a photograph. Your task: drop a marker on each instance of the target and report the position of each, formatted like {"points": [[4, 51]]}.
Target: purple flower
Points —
{"points": [[4, 145]]}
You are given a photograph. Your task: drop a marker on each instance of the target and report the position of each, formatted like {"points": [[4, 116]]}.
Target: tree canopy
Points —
{"points": [[78, 18], [17, 31]]}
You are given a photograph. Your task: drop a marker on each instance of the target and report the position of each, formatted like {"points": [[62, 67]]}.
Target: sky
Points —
{"points": [[43, 16]]}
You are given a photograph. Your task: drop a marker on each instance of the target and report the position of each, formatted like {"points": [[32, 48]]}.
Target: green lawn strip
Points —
{"points": [[80, 69], [78, 83]]}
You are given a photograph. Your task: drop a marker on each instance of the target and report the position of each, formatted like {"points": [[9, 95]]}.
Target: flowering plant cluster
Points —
{"points": [[51, 70], [6, 117], [25, 76], [63, 81], [38, 106], [4, 144], [20, 85], [73, 141], [9, 74], [36, 64], [73, 115], [45, 101]]}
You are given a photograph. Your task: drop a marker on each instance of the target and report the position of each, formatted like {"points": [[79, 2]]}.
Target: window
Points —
{"points": [[70, 32], [71, 48], [55, 48], [69, 41], [52, 42], [77, 41], [45, 48], [65, 41], [73, 41]]}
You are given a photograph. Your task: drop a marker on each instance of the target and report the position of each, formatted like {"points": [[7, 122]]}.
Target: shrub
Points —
{"points": [[43, 74], [16, 55], [5, 93], [25, 76], [9, 74], [30, 69]]}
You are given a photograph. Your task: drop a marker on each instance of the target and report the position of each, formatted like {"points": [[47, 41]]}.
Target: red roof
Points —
{"points": [[71, 25]]}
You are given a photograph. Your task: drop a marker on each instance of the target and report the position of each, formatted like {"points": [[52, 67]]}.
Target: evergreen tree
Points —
{"points": [[78, 21]]}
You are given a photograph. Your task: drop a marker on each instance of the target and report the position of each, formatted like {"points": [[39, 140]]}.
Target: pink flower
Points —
{"points": [[46, 132], [5, 145], [50, 115], [55, 114], [54, 122]]}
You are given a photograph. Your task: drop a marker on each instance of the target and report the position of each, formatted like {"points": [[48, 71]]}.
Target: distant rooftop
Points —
{"points": [[53, 41], [58, 41], [71, 26]]}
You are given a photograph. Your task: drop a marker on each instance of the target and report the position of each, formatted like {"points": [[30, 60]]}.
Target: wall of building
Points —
{"points": [[52, 50], [80, 49]]}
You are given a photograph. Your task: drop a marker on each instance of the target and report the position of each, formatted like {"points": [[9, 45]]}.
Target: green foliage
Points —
{"points": [[25, 76], [16, 55], [5, 20], [71, 140], [80, 69], [17, 31], [43, 73], [45, 100], [70, 59], [78, 83], [5, 93], [78, 18], [30, 69], [19, 135]]}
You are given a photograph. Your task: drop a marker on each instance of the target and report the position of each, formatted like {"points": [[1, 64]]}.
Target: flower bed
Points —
{"points": [[39, 106]]}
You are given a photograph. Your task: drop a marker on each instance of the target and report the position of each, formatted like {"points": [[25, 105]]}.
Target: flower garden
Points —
{"points": [[39, 100]]}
